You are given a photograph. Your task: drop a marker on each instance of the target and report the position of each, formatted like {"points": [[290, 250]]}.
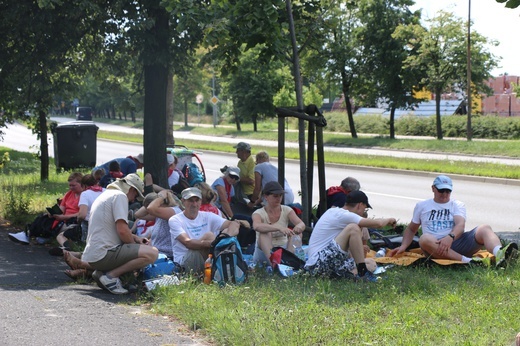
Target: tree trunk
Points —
{"points": [[44, 146], [170, 139], [237, 121], [392, 123], [156, 86], [185, 112], [345, 87], [438, 113], [350, 115]]}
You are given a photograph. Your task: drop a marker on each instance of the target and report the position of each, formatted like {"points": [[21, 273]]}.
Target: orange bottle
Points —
{"points": [[207, 269]]}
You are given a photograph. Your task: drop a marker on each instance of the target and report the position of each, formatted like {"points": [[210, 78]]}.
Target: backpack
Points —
{"points": [[192, 174], [228, 263], [378, 240], [41, 227], [280, 255]]}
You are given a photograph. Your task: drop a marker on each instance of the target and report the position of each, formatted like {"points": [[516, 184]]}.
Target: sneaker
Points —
{"points": [[20, 237], [113, 285], [369, 277], [505, 253], [486, 262]]}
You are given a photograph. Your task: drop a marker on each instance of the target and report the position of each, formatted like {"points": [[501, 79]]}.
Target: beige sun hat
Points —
{"points": [[124, 184]]}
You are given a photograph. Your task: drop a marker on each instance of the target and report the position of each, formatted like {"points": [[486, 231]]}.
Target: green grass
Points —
{"points": [[23, 194], [418, 305]]}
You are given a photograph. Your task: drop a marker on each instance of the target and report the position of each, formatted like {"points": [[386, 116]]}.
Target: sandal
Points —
{"points": [[72, 261], [76, 274]]}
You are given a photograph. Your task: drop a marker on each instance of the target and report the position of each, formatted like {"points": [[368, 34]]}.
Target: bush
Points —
{"points": [[489, 126]]}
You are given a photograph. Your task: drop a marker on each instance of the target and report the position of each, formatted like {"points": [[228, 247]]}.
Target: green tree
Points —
{"points": [[39, 56], [339, 53], [252, 86], [388, 81], [442, 53]]}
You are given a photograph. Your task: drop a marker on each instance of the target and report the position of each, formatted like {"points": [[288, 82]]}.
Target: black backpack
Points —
{"points": [[228, 263], [41, 227]]}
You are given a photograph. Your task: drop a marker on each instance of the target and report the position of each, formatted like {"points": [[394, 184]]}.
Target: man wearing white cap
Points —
{"points": [[193, 231], [112, 249], [443, 222]]}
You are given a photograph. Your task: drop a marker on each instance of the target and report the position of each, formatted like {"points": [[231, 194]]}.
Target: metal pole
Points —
{"points": [[469, 129]]}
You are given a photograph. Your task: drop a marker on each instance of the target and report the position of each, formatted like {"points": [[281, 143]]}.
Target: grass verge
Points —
{"points": [[419, 305]]}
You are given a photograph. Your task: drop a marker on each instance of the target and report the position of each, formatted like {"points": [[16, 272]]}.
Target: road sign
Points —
{"points": [[214, 100], [199, 99]]}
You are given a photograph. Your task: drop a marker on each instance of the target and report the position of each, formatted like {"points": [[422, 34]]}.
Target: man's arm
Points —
{"points": [[377, 223], [160, 207], [194, 244], [125, 234], [408, 235], [230, 227], [444, 244], [257, 190]]}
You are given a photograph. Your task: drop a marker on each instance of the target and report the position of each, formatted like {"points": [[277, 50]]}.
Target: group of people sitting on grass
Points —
{"points": [[183, 227]]}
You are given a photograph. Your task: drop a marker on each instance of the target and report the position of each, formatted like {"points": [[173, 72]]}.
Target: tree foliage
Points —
{"points": [[442, 54], [510, 3], [39, 55], [388, 81]]}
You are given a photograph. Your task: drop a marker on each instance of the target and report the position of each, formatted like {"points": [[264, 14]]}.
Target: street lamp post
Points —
{"points": [[469, 129]]}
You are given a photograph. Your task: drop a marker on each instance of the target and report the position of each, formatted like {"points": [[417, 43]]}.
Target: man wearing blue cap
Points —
{"points": [[443, 222]]}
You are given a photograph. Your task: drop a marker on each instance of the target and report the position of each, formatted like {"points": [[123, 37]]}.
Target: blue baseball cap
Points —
{"points": [[443, 182]]}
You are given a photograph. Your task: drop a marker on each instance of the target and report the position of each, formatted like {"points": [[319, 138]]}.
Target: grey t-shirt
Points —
{"points": [[269, 173]]}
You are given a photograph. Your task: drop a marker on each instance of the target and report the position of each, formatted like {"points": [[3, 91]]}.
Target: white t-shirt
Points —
{"points": [[330, 224], [110, 206], [173, 179], [195, 229], [88, 197], [437, 218]]}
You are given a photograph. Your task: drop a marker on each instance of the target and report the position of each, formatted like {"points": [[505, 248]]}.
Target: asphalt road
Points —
{"points": [[39, 305]]}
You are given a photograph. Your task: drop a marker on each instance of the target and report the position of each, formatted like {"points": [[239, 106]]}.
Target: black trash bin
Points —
{"points": [[75, 145]]}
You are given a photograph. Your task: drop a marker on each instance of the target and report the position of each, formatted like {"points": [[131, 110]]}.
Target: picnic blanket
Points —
{"points": [[414, 255]]}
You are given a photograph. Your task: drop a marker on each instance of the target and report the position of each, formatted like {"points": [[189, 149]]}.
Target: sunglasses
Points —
{"points": [[234, 177], [443, 190]]}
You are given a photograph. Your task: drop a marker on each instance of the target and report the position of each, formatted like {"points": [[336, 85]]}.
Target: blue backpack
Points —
{"points": [[192, 174], [228, 263]]}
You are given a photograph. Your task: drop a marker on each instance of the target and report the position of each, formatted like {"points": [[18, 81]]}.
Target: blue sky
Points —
{"points": [[490, 19]]}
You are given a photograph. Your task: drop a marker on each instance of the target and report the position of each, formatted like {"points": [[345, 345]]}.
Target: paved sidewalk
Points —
{"points": [[41, 306]]}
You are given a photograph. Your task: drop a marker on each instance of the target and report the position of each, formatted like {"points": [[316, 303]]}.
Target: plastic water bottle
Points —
{"points": [[207, 269], [298, 250], [381, 252]]}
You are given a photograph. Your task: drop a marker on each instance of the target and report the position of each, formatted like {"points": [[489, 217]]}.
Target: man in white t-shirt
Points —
{"points": [[193, 231], [336, 246], [112, 250], [443, 222]]}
